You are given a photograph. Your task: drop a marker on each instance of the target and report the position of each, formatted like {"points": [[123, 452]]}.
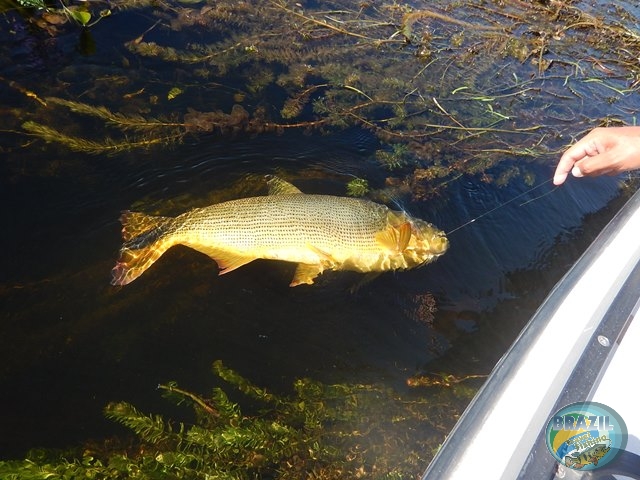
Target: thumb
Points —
{"points": [[597, 165]]}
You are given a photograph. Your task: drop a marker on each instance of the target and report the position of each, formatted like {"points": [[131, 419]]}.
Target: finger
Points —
{"points": [[565, 165], [562, 170], [576, 172], [559, 178], [578, 152], [567, 161], [598, 165]]}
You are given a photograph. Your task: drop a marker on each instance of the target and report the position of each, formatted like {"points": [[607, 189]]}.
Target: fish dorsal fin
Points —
{"points": [[277, 186], [395, 238]]}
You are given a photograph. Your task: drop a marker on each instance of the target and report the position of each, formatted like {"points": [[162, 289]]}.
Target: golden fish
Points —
{"points": [[318, 232]]}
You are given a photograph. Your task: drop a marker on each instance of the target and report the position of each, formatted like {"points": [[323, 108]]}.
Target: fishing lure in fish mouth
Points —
{"points": [[318, 232]]}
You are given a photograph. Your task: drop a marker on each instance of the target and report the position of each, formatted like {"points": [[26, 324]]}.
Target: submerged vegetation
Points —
{"points": [[448, 88], [318, 432]]}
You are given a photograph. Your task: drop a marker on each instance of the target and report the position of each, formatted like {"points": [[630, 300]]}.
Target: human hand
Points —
{"points": [[603, 151]]}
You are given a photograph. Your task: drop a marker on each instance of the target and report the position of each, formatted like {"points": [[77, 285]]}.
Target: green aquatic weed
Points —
{"points": [[358, 187], [317, 431], [439, 82]]}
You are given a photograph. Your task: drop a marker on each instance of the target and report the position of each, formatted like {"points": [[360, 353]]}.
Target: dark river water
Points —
{"points": [[70, 342]]}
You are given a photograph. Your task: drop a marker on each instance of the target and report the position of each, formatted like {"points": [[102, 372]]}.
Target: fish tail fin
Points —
{"points": [[145, 239]]}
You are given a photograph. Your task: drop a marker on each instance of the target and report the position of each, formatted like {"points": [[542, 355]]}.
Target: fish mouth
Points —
{"points": [[427, 248], [430, 240], [439, 244]]}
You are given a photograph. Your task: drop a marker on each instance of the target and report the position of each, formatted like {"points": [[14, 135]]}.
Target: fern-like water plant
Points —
{"points": [[319, 431]]}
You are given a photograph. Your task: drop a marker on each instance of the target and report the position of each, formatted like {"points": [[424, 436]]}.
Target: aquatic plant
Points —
{"points": [[457, 89], [358, 187], [32, 3], [398, 156], [318, 431], [51, 14]]}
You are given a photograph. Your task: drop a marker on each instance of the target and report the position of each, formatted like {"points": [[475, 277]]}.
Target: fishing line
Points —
{"points": [[505, 204], [539, 196]]}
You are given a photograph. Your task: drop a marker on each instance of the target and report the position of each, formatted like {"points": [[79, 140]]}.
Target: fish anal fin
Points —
{"points": [[277, 186], [305, 273], [227, 261], [395, 239]]}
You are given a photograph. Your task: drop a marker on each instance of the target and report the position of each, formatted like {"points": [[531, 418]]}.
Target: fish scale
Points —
{"points": [[296, 219], [318, 232]]}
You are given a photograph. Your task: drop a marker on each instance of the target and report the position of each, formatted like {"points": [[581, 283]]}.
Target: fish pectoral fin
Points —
{"points": [[395, 238], [404, 235], [277, 186], [227, 261], [305, 273]]}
